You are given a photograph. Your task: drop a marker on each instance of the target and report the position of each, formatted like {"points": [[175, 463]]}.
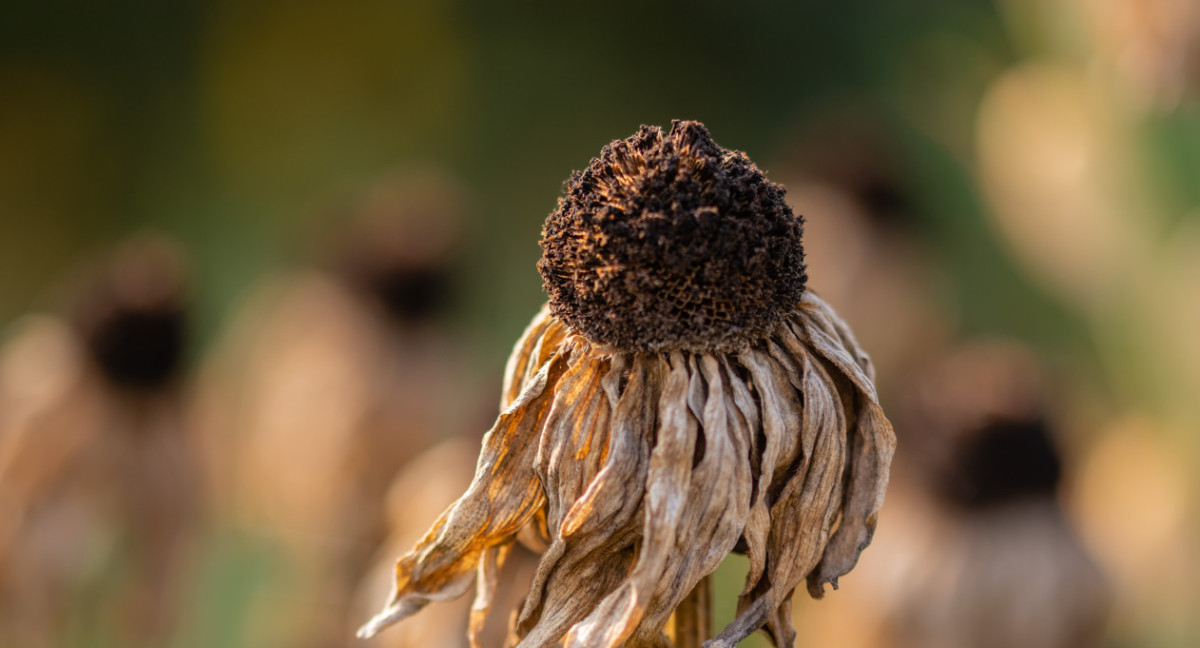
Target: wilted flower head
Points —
{"points": [[398, 247], [133, 316], [98, 476], [983, 554], [345, 353], [681, 396]]}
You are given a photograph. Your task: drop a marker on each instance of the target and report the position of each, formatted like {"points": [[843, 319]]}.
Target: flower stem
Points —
{"points": [[693, 617]]}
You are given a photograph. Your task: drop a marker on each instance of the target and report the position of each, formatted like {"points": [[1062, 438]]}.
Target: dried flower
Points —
{"points": [[680, 397], [100, 487], [983, 553], [348, 356], [423, 488]]}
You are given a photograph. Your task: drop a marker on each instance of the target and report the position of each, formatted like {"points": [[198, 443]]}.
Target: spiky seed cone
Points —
{"points": [[669, 242]]}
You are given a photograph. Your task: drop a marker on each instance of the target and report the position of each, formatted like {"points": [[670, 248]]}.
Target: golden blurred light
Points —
{"points": [[1153, 46], [1053, 167], [1131, 500]]}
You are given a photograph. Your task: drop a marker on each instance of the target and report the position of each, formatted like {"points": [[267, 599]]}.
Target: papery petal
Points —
{"points": [[805, 509], [762, 463], [718, 500], [667, 480], [502, 497], [872, 444], [781, 406], [573, 585], [540, 339], [486, 581], [598, 529], [839, 326], [569, 456], [821, 328]]}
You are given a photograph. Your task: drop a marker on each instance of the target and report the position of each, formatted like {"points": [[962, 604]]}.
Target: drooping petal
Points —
{"points": [[540, 339], [576, 582], [872, 443], [569, 456], [597, 533], [762, 464], [805, 513], [548, 567], [486, 581], [782, 405], [639, 473], [717, 503], [818, 327], [849, 341], [502, 497], [667, 481], [805, 509]]}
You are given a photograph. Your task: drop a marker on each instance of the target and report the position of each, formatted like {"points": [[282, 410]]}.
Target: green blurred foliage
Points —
{"points": [[234, 126]]}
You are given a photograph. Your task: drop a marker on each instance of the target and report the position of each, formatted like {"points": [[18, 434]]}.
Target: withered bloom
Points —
{"points": [[996, 561], [681, 396], [99, 480], [348, 355]]}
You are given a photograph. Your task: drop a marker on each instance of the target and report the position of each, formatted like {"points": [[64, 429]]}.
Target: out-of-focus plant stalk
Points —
{"points": [[692, 623]]}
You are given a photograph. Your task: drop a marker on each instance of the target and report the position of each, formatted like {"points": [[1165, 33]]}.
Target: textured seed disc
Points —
{"points": [[668, 241]]}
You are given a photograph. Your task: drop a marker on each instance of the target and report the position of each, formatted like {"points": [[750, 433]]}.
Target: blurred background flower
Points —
{"points": [[1023, 169], [100, 478]]}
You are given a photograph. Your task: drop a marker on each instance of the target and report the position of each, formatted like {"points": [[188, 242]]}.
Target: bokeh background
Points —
{"points": [[332, 211]]}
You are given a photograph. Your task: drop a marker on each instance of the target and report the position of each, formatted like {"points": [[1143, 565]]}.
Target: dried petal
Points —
{"points": [[485, 590], [501, 498], [589, 531], [567, 459], [805, 509], [872, 446], [531, 351], [641, 471]]}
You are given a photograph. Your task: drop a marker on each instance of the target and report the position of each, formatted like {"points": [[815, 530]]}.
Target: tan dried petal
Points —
{"points": [[501, 498], [642, 471], [485, 590], [529, 354]]}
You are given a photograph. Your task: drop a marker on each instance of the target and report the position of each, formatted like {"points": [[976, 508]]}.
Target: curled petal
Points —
{"points": [[569, 456], [485, 590], [637, 473], [596, 530], [717, 503], [805, 509], [540, 339], [763, 461], [667, 479], [872, 444], [502, 497]]}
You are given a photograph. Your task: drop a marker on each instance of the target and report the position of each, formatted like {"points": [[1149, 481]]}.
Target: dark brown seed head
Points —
{"points": [[132, 313], [1004, 460], [668, 241]]}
